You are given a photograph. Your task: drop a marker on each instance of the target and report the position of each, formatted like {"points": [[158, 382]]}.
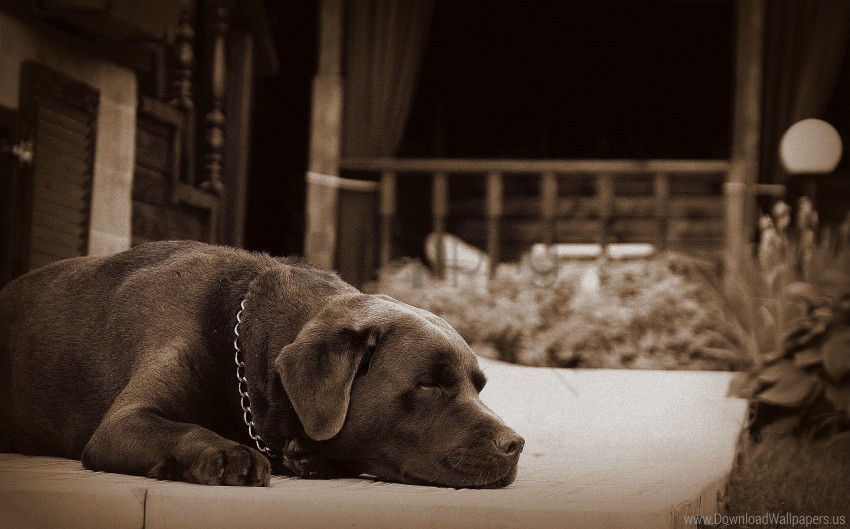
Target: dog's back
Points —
{"points": [[57, 379]]}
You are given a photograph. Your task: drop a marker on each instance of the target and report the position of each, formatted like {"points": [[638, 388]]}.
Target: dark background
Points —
{"points": [[607, 79]]}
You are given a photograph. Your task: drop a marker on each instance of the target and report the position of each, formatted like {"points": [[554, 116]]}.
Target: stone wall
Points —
{"points": [[21, 41]]}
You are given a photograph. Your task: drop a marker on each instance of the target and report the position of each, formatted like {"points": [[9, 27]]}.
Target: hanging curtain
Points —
{"points": [[805, 46], [385, 41]]}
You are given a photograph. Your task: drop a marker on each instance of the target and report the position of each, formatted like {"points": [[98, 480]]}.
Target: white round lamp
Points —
{"points": [[810, 146]]}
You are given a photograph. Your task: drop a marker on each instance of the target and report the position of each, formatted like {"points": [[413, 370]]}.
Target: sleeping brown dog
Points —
{"points": [[127, 362]]}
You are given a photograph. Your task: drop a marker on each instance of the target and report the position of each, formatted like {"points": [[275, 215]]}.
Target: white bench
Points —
{"points": [[604, 448]]}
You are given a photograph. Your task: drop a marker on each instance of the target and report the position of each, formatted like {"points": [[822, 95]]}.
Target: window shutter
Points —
{"points": [[60, 115]]}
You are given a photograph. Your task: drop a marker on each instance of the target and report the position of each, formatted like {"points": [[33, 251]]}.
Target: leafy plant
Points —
{"points": [[645, 314], [804, 375]]}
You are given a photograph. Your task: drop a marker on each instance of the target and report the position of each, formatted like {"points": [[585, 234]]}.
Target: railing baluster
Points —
{"points": [[439, 211], [605, 198], [549, 205], [662, 208], [601, 174], [495, 208], [388, 206], [215, 118]]}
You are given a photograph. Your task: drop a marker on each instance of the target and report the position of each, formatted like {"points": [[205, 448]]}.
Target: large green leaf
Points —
{"points": [[808, 357], [791, 391], [804, 335], [775, 355], [836, 354], [808, 292], [773, 373]]}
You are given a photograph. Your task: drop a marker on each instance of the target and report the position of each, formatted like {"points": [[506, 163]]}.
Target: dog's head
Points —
{"points": [[392, 391]]}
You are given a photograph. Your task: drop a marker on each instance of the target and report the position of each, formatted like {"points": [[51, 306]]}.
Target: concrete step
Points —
{"points": [[604, 448]]}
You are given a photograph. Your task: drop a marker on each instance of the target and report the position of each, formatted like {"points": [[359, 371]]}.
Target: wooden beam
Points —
{"points": [[565, 168], [388, 207], [325, 138], [605, 198], [239, 99], [661, 190], [549, 204], [495, 208], [216, 119], [743, 172], [439, 211]]}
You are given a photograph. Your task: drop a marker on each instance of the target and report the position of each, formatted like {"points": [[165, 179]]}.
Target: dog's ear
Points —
{"points": [[318, 369]]}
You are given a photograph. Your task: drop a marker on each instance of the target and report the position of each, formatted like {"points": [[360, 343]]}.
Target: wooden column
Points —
{"points": [[743, 171], [605, 203], [182, 90], [439, 211], [662, 205], [495, 209], [388, 203], [215, 118], [237, 149], [549, 205], [325, 138]]}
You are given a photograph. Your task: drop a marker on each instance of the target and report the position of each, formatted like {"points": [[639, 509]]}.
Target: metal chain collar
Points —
{"points": [[243, 389]]}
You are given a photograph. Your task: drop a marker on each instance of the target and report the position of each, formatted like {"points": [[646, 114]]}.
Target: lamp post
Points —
{"points": [[810, 147]]}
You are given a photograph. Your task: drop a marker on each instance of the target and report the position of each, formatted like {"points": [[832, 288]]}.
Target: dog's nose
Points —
{"points": [[510, 443]]}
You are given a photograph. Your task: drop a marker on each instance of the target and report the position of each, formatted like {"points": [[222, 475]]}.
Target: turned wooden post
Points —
{"points": [[746, 137], [549, 205], [662, 208], [605, 199], [320, 239], [215, 118], [182, 90], [495, 209], [184, 64], [439, 211], [388, 202]]}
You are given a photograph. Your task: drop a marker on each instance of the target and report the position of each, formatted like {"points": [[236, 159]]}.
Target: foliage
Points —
{"points": [[793, 312], [641, 314]]}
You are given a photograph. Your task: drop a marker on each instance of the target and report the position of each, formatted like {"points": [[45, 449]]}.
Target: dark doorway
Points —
{"points": [[280, 134], [541, 79]]}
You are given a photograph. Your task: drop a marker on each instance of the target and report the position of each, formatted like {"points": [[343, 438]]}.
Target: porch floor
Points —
{"points": [[604, 448]]}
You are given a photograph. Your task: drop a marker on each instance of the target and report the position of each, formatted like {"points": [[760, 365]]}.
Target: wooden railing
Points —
{"points": [[605, 174]]}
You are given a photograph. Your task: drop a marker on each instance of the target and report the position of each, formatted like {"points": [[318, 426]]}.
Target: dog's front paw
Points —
{"points": [[305, 464], [233, 465]]}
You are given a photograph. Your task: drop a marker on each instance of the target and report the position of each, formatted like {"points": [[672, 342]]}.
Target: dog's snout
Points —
{"points": [[510, 443]]}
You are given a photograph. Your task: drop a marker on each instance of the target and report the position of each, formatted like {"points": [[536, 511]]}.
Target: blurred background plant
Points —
{"points": [[779, 315], [791, 305], [646, 313], [790, 310]]}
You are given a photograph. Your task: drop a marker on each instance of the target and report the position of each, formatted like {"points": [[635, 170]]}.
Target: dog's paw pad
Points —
{"points": [[234, 465]]}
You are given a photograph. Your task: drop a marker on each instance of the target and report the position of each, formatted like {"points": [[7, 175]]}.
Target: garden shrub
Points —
{"points": [[801, 322], [642, 314]]}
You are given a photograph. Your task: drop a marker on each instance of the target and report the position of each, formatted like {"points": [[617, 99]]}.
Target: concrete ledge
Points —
{"points": [[604, 448]]}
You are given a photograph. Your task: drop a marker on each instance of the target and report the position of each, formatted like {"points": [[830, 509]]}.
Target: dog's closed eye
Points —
{"points": [[479, 380]]}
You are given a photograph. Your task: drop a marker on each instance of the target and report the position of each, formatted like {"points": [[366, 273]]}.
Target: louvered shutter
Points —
{"points": [[60, 115]]}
